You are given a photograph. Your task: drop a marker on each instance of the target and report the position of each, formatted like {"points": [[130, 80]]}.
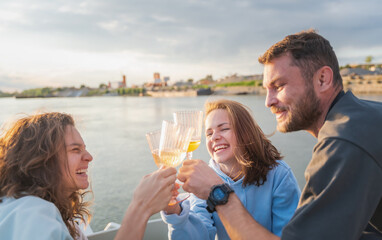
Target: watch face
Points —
{"points": [[218, 194]]}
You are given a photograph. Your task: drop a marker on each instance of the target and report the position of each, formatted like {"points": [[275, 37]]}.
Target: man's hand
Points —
{"points": [[198, 178]]}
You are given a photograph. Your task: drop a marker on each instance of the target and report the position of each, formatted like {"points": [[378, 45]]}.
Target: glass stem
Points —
{"points": [[189, 155]]}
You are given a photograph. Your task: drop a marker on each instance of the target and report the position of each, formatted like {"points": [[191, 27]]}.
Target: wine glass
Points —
{"points": [[193, 119], [169, 146]]}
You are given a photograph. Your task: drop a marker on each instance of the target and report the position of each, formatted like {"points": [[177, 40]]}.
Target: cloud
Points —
{"points": [[178, 37], [11, 82], [76, 7], [113, 26]]}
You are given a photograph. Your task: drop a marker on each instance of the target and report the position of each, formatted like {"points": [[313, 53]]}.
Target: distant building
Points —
{"points": [[182, 84], [166, 80], [355, 71], [206, 81], [115, 85], [240, 78], [368, 66], [123, 83], [158, 82], [157, 78]]}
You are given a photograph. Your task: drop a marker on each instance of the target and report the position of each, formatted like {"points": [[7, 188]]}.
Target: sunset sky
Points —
{"points": [[73, 42]]}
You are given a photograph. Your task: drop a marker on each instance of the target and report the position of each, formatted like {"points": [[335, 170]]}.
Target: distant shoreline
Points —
{"points": [[358, 84], [360, 89]]}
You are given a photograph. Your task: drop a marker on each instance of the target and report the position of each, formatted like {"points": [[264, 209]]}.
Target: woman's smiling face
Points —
{"points": [[78, 158], [220, 137]]}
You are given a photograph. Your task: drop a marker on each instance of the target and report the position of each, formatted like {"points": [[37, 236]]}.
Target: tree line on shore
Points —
{"points": [[104, 91], [205, 83]]}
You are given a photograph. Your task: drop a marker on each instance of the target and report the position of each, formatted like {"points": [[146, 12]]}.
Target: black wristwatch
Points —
{"points": [[218, 196]]}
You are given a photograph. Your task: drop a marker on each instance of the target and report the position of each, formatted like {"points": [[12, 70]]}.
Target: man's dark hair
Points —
{"points": [[309, 51]]}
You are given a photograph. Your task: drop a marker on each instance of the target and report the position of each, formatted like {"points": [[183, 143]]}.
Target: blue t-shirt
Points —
{"points": [[272, 205]]}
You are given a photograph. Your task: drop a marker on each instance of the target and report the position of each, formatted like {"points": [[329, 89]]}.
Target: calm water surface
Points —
{"points": [[114, 130]]}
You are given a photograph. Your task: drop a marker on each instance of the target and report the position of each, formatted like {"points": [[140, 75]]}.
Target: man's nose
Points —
{"points": [[271, 99]]}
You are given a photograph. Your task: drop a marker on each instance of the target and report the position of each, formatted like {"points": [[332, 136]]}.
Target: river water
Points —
{"points": [[114, 128]]}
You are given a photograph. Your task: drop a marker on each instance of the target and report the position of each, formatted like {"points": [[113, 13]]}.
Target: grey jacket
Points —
{"points": [[342, 198]]}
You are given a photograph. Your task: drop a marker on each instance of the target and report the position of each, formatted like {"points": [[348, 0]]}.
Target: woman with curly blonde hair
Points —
{"points": [[43, 178]]}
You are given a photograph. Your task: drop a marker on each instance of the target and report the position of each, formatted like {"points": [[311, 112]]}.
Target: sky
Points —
{"points": [[53, 43]]}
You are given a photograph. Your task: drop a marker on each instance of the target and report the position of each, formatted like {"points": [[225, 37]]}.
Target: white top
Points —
{"points": [[31, 217]]}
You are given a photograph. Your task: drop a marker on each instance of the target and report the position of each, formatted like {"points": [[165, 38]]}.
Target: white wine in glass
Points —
{"points": [[168, 158], [192, 119], [169, 146]]}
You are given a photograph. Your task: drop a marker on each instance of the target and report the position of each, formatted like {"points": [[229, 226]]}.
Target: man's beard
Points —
{"points": [[302, 114]]}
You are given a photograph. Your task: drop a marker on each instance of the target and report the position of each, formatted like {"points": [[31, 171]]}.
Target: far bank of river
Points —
{"points": [[368, 84], [235, 90], [356, 88], [360, 85]]}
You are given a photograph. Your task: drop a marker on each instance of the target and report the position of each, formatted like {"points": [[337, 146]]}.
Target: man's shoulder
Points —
{"points": [[354, 120], [353, 124]]}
